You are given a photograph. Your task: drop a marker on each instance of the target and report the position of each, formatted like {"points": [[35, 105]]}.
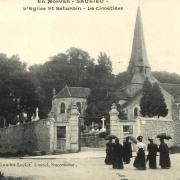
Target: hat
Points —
{"points": [[150, 139], [163, 136], [139, 137]]}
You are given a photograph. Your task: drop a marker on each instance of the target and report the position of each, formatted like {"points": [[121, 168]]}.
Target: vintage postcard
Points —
{"points": [[89, 89]]}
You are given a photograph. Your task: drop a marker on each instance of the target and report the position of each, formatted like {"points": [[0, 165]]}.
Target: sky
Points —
{"points": [[36, 36]]}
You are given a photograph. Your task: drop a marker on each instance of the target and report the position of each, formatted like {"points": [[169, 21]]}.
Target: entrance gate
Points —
{"points": [[61, 138]]}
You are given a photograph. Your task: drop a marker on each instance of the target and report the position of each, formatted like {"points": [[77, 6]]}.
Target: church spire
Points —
{"points": [[138, 54]]}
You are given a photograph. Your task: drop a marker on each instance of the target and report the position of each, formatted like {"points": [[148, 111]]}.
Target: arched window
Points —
{"points": [[135, 112], [62, 108], [78, 104]]}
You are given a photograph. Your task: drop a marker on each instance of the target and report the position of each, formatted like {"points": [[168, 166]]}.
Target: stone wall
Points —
{"points": [[29, 137], [151, 127], [177, 132], [147, 127]]}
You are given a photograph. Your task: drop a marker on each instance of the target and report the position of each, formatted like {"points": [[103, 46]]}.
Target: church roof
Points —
{"points": [[78, 92], [173, 89], [138, 54]]}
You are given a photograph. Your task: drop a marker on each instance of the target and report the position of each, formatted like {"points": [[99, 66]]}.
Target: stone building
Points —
{"points": [[130, 96], [62, 105]]}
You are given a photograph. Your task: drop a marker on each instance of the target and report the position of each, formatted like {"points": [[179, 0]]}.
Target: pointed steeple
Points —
{"points": [[138, 54]]}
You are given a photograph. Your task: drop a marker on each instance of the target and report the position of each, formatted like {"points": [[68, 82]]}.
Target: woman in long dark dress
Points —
{"points": [[117, 155], [140, 160], [109, 149], [127, 151], [164, 162], [152, 153]]}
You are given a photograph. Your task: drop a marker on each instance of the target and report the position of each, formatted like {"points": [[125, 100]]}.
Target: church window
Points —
{"points": [[135, 112], [62, 108], [78, 104]]}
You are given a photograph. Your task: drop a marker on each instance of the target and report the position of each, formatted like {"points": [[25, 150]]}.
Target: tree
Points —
{"points": [[165, 77], [105, 62], [17, 90], [145, 102], [72, 68], [158, 106], [99, 105], [152, 102], [102, 82]]}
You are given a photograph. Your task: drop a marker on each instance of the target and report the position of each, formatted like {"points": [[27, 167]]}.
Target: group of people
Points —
{"points": [[117, 154]]}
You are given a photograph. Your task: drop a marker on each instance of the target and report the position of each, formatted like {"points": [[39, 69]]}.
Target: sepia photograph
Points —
{"points": [[89, 90]]}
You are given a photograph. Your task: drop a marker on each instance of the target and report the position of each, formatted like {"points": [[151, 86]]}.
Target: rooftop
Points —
{"points": [[78, 92]]}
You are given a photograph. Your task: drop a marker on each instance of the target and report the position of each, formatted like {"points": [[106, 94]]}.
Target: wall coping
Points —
{"points": [[155, 119], [25, 124]]}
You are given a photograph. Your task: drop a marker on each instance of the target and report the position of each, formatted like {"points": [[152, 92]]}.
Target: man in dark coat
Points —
{"points": [[117, 155], [127, 151], [109, 149], [165, 162], [152, 149]]}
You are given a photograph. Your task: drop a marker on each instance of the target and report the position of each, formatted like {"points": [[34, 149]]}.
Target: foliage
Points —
{"points": [[17, 91], [152, 102], [22, 89], [103, 134], [145, 102], [158, 105], [165, 77], [122, 79], [71, 68]]}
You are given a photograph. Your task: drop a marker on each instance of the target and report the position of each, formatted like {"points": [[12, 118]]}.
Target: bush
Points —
{"points": [[103, 134]]}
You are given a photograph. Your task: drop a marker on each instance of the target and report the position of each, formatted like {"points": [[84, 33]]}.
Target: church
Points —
{"points": [[130, 95]]}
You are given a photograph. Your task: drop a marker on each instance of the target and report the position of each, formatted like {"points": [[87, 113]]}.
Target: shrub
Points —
{"points": [[103, 134]]}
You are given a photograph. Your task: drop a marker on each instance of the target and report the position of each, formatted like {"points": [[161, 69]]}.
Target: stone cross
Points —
{"points": [[37, 115], [103, 127]]}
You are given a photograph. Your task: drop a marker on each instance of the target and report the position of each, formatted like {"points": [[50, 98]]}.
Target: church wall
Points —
{"points": [[132, 89], [29, 137], [132, 106], [169, 103]]}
